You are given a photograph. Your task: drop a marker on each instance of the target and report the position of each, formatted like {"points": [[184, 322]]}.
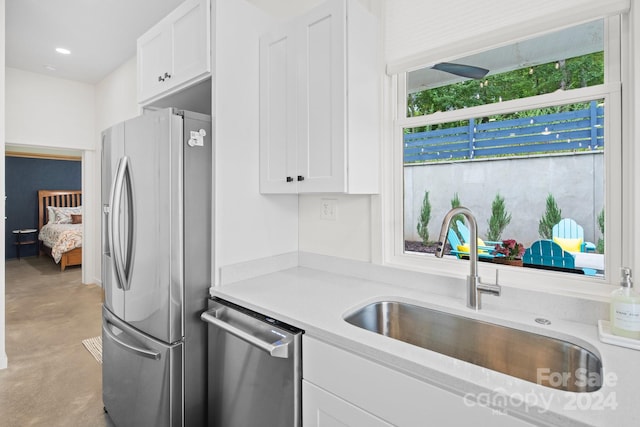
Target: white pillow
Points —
{"points": [[50, 215], [63, 215]]}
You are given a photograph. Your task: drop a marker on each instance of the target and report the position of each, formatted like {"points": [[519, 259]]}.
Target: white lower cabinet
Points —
{"points": [[323, 409], [341, 388]]}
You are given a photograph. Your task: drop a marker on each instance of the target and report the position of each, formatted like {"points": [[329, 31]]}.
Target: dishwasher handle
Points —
{"points": [[280, 350]]}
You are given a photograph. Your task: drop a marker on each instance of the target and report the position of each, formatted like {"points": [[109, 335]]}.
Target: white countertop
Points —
{"points": [[317, 301]]}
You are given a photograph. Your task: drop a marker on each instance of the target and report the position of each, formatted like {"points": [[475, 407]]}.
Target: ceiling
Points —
{"points": [[101, 34]]}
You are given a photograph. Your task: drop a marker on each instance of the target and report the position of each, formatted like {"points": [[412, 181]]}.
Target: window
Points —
{"points": [[524, 135]]}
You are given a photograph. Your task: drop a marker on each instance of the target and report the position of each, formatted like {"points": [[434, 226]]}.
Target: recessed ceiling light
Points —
{"points": [[49, 67], [63, 51]]}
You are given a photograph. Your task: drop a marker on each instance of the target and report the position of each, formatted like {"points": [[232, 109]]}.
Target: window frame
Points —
{"points": [[393, 177]]}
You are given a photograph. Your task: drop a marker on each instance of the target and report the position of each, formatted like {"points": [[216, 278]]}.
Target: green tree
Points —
{"points": [[600, 244], [565, 74], [425, 216], [499, 220], [552, 216], [455, 202]]}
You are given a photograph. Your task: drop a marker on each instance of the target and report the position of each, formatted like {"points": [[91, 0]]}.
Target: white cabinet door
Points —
{"points": [[393, 396], [323, 409], [176, 52], [322, 97], [319, 102], [278, 162], [154, 61], [190, 43]]}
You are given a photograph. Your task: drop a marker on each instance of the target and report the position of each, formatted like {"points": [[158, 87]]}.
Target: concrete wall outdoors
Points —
{"points": [[576, 182]]}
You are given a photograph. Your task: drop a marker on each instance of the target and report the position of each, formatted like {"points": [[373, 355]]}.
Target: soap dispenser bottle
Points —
{"points": [[625, 308]]}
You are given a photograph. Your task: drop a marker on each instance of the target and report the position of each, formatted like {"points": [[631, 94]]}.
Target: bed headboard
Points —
{"points": [[56, 198]]}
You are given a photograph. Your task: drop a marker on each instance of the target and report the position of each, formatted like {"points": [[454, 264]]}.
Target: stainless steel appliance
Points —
{"points": [[156, 258], [255, 368]]}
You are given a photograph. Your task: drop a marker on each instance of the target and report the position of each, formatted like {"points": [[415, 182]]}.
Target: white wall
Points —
{"points": [[285, 9], [3, 353], [631, 197], [57, 113], [49, 112], [418, 32], [353, 232], [248, 225], [348, 236], [116, 96], [115, 101]]}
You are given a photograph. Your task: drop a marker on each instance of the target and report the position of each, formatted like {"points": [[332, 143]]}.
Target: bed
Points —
{"points": [[60, 226]]}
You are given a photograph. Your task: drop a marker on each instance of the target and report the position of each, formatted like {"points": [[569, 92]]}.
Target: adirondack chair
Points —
{"points": [[457, 245], [464, 232], [549, 253], [566, 233]]}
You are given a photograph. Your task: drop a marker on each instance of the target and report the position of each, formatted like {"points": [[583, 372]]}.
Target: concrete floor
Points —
{"points": [[52, 380]]}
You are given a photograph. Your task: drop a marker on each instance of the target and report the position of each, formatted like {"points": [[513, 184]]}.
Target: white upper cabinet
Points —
{"points": [[278, 75], [320, 103], [176, 52]]}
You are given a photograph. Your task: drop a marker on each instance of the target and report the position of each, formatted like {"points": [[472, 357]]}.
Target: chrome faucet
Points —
{"points": [[475, 287]]}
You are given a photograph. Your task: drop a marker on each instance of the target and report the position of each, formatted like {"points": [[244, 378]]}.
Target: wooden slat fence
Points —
{"points": [[581, 130]]}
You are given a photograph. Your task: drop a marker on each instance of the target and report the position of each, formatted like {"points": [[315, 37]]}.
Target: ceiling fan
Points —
{"points": [[468, 71]]}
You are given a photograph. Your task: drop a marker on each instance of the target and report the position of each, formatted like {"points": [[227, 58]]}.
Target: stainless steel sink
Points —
{"points": [[540, 359]]}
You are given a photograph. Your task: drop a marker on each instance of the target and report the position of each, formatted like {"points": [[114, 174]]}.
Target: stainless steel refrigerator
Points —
{"points": [[156, 261]]}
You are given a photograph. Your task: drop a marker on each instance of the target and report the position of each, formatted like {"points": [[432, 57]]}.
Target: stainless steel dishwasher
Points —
{"points": [[254, 368]]}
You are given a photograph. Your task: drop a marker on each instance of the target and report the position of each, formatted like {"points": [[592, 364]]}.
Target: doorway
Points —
{"points": [[29, 169]]}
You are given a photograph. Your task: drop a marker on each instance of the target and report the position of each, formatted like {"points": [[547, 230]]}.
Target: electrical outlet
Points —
{"points": [[328, 209]]}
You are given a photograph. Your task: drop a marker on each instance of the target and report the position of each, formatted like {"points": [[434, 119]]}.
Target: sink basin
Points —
{"points": [[540, 359]]}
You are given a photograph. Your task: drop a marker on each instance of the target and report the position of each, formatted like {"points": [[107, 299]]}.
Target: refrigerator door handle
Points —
{"points": [[279, 350], [131, 348], [106, 250], [121, 265]]}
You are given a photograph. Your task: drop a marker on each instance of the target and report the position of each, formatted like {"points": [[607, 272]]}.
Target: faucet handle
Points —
{"points": [[490, 288]]}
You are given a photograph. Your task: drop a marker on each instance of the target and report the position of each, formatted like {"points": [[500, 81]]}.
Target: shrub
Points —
{"points": [[552, 216], [600, 244], [455, 202], [499, 220], [425, 216]]}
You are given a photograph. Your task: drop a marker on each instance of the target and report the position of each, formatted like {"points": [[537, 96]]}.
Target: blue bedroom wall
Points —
{"points": [[23, 178]]}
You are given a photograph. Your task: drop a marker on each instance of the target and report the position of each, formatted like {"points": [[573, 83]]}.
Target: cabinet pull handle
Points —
{"points": [[160, 79], [289, 179], [167, 75], [300, 178]]}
